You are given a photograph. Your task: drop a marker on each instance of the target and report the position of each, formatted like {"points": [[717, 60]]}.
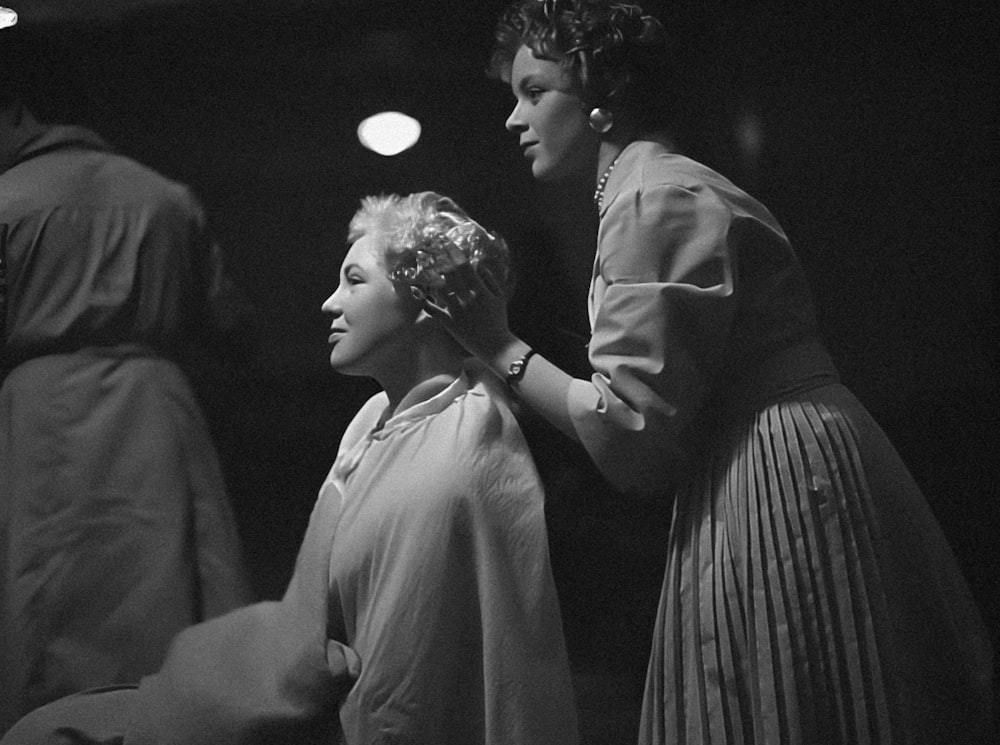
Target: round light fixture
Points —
{"points": [[7, 17], [389, 133]]}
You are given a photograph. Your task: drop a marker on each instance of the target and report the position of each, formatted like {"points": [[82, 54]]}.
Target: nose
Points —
{"points": [[515, 122], [332, 304]]}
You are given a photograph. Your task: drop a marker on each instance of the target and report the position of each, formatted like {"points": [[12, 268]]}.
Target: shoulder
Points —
{"points": [[651, 179], [651, 189], [647, 164], [487, 464], [662, 217], [662, 200], [481, 428], [481, 414], [100, 179], [365, 420], [649, 172], [128, 179]]}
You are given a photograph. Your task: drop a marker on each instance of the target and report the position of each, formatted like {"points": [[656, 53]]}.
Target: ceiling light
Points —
{"points": [[7, 17], [389, 133]]}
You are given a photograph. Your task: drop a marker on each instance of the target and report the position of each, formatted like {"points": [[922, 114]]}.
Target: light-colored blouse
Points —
{"points": [[694, 286]]}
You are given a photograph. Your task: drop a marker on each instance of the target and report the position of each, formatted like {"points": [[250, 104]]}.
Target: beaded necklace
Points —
{"points": [[603, 181]]}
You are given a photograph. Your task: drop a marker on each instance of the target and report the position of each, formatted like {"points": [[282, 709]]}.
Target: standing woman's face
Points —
{"points": [[550, 120]]}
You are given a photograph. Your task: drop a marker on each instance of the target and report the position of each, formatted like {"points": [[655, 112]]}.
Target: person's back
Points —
{"points": [[99, 249], [116, 529]]}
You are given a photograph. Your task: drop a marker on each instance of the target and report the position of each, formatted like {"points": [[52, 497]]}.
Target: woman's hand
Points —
{"points": [[471, 305]]}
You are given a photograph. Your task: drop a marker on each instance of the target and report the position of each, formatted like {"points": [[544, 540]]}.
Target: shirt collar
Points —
{"points": [[30, 138], [629, 161], [420, 406]]}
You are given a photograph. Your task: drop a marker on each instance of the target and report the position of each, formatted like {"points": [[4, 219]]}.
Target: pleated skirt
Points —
{"points": [[810, 597]]}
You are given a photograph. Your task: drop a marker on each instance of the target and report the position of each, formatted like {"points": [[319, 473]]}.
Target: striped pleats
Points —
{"points": [[773, 606]]}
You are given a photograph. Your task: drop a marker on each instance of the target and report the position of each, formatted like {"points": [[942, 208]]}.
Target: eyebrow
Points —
{"points": [[526, 81]]}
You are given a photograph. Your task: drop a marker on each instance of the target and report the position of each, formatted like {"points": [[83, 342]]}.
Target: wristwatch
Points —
{"points": [[516, 369]]}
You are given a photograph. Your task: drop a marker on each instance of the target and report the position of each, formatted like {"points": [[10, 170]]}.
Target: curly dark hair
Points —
{"points": [[619, 53]]}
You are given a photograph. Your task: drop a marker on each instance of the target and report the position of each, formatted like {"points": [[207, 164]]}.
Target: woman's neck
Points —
{"points": [[422, 391], [608, 153], [612, 145], [428, 375]]}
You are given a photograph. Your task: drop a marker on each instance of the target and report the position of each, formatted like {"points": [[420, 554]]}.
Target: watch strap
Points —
{"points": [[515, 371]]}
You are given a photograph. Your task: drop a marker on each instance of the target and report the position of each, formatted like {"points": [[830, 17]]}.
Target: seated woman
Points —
{"points": [[422, 608]]}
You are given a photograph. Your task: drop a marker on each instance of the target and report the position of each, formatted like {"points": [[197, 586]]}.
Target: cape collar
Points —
{"points": [[420, 408]]}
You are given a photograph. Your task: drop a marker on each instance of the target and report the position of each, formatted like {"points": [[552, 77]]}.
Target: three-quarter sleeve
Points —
{"points": [[662, 307]]}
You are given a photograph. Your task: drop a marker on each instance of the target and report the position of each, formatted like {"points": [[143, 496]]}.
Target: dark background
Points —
{"points": [[876, 153]]}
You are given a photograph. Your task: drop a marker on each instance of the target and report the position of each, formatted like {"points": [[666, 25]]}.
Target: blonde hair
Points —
{"points": [[424, 235]]}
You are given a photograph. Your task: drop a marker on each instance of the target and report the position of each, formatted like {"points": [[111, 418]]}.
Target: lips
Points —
{"points": [[527, 147], [335, 335]]}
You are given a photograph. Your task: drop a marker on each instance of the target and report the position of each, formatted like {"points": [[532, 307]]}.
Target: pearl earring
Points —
{"points": [[601, 120]]}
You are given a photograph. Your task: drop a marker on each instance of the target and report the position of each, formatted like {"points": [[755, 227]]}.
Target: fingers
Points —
{"points": [[464, 299], [489, 281], [451, 302], [455, 255], [463, 288], [435, 309], [462, 280], [468, 283], [428, 303], [446, 305]]}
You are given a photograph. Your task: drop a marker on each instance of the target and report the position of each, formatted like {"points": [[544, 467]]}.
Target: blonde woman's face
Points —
{"points": [[549, 119], [372, 321]]}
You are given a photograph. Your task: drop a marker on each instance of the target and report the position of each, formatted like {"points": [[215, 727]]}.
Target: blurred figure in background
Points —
{"points": [[116, 530]]}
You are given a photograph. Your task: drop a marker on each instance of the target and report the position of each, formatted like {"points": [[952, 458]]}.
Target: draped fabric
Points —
{"points": [[440, 578]]}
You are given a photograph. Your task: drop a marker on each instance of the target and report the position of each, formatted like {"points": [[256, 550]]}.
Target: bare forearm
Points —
{"points": [[475, 313], [544, 387]]}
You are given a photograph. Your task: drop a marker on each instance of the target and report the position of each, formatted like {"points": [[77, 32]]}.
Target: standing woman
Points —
{"points": [[809, 595]]}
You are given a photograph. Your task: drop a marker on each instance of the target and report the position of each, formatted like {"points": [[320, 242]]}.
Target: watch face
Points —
{"points": [[516, 369]]}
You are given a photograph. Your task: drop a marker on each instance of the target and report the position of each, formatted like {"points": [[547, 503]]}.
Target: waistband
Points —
{"points": [[14, 359], [794, 369]]}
